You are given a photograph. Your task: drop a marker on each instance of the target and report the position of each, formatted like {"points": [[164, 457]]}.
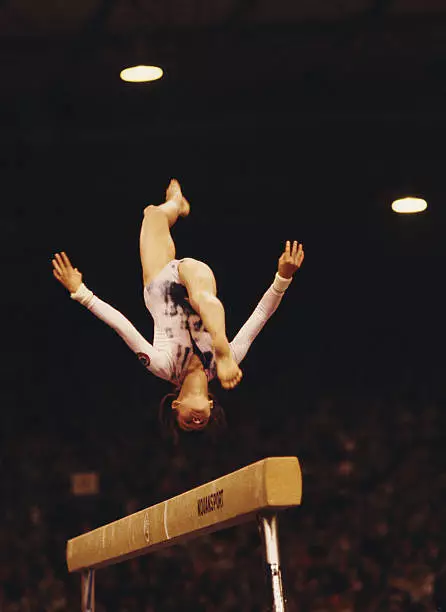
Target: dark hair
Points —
{"points": [[172, 431]]}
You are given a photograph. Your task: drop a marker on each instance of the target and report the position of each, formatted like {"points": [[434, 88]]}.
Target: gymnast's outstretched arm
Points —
{"points": [[157, 362], [289, 262]]}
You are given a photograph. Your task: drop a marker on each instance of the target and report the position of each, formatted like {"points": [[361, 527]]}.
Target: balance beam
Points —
{"points": [[258, 490]]}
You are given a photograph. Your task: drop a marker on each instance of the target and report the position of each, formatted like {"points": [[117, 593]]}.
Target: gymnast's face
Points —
{"points": [[193, 412]]}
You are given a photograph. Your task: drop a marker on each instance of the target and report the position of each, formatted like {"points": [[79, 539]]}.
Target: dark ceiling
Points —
{"points": [[369, 53]]}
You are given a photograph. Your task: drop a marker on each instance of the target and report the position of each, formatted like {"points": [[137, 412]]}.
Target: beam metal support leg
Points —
{"points": [[268, 528], [87, 590]]}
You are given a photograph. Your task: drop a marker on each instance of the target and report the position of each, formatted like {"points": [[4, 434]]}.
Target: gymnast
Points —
{"points": [[190, 346]]}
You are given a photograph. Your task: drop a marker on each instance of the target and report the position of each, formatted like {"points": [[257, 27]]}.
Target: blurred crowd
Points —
{"points": [[368, 537]]}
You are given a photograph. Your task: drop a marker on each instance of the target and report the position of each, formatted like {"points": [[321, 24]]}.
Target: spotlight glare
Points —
{"points": [[141, 74], [409, 205]]}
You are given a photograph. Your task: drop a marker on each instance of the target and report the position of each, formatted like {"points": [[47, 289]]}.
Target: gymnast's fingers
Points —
{"points": [[56, 266], [287, 247], [57, 275], [294, 251], [67, 262], [298, 253], [60, 262]]}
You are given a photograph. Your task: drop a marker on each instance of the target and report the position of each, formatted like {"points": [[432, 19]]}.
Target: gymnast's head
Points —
{"points": [[190, 413], [193, 411]]}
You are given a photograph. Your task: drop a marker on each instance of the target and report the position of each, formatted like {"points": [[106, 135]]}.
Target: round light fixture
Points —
{"points": [[409, 205], [141, 74]]}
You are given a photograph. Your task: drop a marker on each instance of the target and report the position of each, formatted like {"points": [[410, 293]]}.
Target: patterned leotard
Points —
{"points": [[178, 329]]}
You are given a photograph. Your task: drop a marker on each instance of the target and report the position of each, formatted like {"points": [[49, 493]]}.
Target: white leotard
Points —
{"points": [[178, 329]]}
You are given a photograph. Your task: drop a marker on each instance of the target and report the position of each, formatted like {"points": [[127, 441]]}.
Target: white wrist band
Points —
{"points": [[82, 295], [281, 284]]}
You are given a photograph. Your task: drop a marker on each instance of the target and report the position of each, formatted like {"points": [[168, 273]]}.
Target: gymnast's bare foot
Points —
{"points": [[174, 193], [228, 371]]}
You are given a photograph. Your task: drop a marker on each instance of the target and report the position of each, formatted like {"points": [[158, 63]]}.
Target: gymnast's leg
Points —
{"points": [[202, 290], [156, 245]]}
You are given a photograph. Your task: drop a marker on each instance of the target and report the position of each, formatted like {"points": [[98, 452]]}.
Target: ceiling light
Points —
{"points": [[141, 74], [409, 205]]}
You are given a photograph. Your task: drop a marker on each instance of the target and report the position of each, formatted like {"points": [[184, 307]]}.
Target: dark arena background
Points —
{"points": [[282, 120]]}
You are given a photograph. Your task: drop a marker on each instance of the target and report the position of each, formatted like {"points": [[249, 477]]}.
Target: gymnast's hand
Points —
{"points": [[68, 276], [291, 259]]}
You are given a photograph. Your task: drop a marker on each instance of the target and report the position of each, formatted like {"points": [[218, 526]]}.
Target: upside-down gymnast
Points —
{"points": [[190, 346]]}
